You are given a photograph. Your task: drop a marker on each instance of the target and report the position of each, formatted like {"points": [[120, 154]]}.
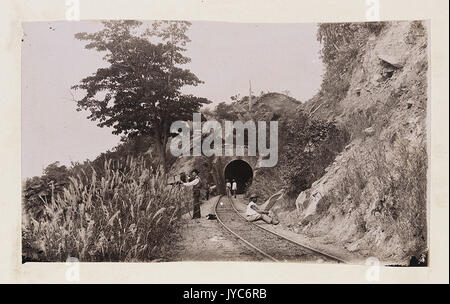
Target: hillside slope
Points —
{"points": [[372, 199]]}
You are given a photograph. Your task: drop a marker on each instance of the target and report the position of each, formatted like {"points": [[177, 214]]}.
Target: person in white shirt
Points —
{"points": [[253, 213], [196, 185], [228, 187], [234, 188]]}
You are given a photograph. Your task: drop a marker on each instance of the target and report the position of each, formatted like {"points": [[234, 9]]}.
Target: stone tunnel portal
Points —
{"points": [[242, 172]]}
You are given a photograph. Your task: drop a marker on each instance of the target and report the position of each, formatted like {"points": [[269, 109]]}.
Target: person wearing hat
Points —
{"points": [[253, 213], [196, 185]]}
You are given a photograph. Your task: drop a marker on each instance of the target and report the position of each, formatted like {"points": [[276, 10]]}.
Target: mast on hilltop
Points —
{"points": [[250, 96]]}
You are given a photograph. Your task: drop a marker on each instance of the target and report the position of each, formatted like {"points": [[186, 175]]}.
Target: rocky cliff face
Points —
{"points": [[372, 199]]}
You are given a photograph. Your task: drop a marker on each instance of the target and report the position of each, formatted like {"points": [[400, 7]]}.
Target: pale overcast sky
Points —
{"points": [[275, 57]]}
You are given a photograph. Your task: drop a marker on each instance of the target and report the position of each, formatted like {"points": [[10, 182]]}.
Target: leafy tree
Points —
{"points": [[225, 111], [41, 190], [139, 93], [56, 173]]}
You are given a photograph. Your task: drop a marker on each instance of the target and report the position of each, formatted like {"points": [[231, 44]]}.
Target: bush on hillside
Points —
{"points": [[308, 147], [39, 190], [224, 111]]}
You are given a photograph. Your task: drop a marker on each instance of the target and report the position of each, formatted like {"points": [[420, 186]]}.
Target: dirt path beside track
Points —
{"points": [[207, 240]]}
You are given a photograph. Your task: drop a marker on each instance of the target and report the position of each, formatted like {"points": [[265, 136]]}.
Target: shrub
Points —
{"points": [[309, 146], [225, 111], [40, 190]]}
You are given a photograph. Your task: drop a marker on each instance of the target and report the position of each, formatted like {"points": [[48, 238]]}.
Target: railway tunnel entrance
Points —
{"points": [[242, 172]]}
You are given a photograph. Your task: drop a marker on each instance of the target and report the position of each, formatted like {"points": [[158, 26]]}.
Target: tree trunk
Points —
{"points": [[161, 148]]}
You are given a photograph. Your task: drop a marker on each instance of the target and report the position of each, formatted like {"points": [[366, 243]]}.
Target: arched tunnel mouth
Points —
{"points": [[242, 172]]}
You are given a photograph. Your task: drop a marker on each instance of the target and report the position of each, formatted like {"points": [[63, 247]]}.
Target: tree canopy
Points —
{"points": [[139, 92]]}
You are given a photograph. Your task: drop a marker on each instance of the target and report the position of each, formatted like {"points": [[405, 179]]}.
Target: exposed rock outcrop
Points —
{"points": [[372, 199]]}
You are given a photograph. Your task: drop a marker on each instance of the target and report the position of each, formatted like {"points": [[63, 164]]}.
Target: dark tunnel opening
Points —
{"points": [[242, 172]]}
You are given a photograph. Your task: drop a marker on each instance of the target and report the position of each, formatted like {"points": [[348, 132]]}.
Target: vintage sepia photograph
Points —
{"points": [[173, 141]]}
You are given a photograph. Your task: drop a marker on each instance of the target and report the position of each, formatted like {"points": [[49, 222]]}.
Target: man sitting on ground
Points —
{"points": [[253, 213]]}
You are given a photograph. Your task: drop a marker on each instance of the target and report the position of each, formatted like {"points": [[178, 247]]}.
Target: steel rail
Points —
{"points": [[239, 237], [288, 239], [259, 250]]}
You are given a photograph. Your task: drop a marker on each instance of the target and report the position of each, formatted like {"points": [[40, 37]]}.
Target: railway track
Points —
{"points": [[267, 243]]}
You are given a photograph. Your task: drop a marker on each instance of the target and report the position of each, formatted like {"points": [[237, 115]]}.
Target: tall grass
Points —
{"points": [[127, 212]]}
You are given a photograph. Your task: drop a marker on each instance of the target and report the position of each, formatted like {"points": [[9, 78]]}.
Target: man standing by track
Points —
{"points": [[196, 185]]}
